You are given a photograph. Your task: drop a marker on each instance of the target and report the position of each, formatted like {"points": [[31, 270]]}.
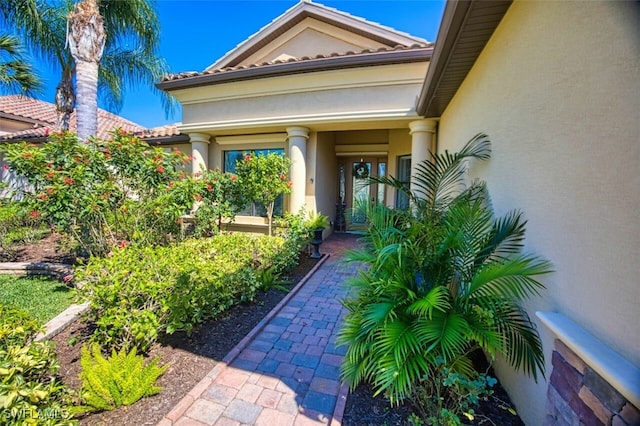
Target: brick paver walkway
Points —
{"points": [[287, 371]]}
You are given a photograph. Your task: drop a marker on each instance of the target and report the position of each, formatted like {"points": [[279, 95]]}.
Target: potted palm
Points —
{"points": [[317, 223]]}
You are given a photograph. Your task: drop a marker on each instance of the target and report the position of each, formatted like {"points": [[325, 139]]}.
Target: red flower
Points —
{"points": [[35, 214], [234, 178], [50, 175], [5, 166], [289, 184], [198, 197], [122, 132], [209, 188], [107, 155], [43, 197], [49, 191], [46, 131], [247, 158], [68, 181], [283, 176], [67, 278], [160, 169], [123, 244]]}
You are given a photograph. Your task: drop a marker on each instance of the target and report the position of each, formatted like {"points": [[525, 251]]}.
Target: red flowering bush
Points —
{"points": [[104, 191], [265, 177], [221, 197]]}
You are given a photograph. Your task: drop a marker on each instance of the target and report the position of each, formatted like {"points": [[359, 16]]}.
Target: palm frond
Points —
{"points": [[436, 299], [505, 239], [523, 348], [511, 277]]}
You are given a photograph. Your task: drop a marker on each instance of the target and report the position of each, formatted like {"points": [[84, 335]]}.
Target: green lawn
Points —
{"points": [[42, 297]]}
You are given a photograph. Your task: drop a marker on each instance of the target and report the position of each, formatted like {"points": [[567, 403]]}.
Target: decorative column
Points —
{"points": [[422, 141], [199, 152], [297, 137]]}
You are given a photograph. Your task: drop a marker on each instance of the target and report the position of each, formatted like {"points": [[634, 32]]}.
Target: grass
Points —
{"points": [[42, 297]]}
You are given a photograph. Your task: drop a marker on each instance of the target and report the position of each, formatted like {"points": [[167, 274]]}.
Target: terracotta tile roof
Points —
{"points": [[17, 107], [160, 132], [303, 59], [29, 108]]}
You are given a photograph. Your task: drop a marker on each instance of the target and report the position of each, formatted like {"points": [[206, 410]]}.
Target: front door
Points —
{"points": [[354, 191]]}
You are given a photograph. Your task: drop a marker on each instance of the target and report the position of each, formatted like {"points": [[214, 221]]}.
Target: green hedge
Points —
{"points": [[136, 293]]}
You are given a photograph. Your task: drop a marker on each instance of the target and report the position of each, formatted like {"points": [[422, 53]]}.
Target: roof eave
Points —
{"points": [[300, 67], [457, 16]]}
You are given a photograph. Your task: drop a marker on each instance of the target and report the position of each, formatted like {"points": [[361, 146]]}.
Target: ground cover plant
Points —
{"points": [[30, 391], [445, 277], [42, 297], [121, 379]]}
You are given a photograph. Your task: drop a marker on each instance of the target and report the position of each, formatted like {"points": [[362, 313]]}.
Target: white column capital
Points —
{"points": [[200, 137], [426, 125], [301, 132]]}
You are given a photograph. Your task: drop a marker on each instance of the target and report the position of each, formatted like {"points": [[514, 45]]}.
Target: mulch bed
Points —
{"points": [[190, 358]]}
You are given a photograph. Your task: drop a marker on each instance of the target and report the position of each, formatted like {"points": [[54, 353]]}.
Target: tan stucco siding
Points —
{"points": [[315, 105], [558, 91], [346, 96], [326, 175], [399, 145], [11, 126], [310, 38]]}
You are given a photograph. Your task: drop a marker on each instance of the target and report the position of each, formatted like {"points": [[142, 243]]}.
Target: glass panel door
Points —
{"points": [[361, 191], [353, 175]]}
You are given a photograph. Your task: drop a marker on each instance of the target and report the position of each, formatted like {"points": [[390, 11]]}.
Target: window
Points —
{"points": [[254, 209], [404, 176]]}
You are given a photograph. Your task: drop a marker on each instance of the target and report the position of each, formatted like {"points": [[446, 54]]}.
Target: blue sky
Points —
{"points": [[197, 32]]}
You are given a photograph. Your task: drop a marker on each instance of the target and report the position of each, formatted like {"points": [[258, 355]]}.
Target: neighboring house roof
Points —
{"points": [[29, 110], [465, 29], [348, 42], [41, 117]]}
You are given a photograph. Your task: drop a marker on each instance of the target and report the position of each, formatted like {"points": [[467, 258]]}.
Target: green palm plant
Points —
{"points": [[16, 74], [444, 278]]}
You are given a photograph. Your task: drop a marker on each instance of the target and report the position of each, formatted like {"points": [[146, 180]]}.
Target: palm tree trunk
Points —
{"points": [[65, 99], [87, 105], [86, 43]]}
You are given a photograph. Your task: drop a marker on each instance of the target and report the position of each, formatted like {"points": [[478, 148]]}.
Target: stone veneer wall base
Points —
{"points": [[595, 389]]}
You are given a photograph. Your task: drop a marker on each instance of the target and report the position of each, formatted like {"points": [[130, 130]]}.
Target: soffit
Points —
{"points": [[465, 29]]}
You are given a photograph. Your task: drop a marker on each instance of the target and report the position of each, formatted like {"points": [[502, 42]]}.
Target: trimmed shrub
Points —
{"points": [[136, 293]]}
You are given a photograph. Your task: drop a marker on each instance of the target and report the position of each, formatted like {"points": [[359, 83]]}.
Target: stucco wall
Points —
{"points": [[399, 145], [558, 91], [309, 38], [326, 175]]}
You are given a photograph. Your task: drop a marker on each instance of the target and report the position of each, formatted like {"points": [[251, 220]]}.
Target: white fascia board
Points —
{"points": [[302, 120]]}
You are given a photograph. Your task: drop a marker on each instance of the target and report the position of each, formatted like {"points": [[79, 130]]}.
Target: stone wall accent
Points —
{"points": [[579, 396]]}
